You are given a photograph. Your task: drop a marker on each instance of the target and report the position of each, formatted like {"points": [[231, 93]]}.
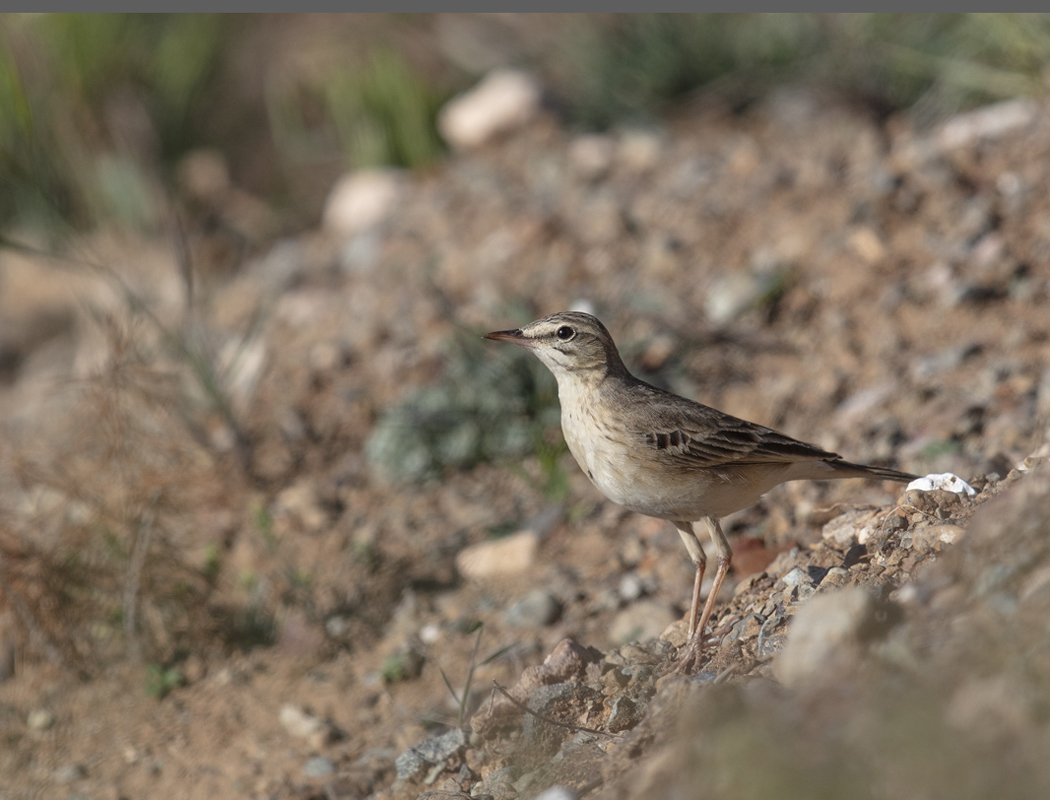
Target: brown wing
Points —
{"points": [[706, 437]]}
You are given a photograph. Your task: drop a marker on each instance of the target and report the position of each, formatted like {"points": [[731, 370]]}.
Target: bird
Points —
{"points": [[665, 456]]}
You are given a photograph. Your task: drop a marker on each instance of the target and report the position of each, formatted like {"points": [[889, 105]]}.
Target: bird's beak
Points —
{"points": [[514, 337]]}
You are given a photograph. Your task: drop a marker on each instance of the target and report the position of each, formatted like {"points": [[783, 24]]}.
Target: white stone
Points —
{"points": [[505, 99], [557, 793], [945, 481], [362, 200], [40, 719], [507, 556], [990, 122]]}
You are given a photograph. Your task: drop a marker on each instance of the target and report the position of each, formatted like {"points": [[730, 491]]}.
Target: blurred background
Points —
{"points": [[254, 454], [101, 113]]}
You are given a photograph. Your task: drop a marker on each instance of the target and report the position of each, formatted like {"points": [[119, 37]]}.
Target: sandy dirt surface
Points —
{"points": [[878, 291]]}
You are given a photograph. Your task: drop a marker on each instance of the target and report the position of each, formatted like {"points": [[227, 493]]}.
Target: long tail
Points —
{"points": [[865, 471]]}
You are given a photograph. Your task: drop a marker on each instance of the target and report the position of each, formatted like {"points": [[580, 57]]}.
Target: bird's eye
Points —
{"points": [[565, 333]]}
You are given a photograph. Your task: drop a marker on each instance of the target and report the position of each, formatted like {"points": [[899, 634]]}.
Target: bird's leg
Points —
{"points": [[690, 663], [696, 552]]}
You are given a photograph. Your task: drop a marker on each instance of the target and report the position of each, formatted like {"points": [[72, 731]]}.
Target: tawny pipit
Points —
{"points": [[662, 455]]}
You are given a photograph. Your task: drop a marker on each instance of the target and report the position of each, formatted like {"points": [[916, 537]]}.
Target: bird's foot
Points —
{"points": [[691, 660]]}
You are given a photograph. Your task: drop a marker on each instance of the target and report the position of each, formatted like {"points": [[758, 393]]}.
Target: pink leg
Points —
{"points": [[691, 661], [694, 607]]}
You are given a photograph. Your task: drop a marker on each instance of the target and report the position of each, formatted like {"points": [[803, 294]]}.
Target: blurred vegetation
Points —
{"points": [[488, 405], [931, 64], [97, 109]]}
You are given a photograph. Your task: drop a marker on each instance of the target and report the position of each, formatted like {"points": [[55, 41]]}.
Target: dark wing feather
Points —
{"points": [[706, 437]]}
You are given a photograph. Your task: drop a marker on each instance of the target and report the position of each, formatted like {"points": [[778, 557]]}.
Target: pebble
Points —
{"points": [[509, 555], [362, 200], [640, 149], [857, 524], [591, 155], [989, 122], [40, 719], [796, 577], [557, 793], [624, 714], [944, 481], [318, 767], [303, 725], [640, 621], [499, 783], [631, 587], [825, 631], [730, 296], [69, 773], [430, 751], [538, 608], [933, 537], [504, 100]]}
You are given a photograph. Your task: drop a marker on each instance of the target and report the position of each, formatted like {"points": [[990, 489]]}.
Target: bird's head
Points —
{"points": [[569, 342]]}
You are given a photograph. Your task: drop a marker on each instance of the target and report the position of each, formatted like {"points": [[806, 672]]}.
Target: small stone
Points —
{"points": [[941, 482], [676, 634], [895, 522], [641, 621], [538, 608], [867, 245], [431, 751], [362, 200], [855, 525], [303, 725], [510, 555], [931, 538], [615, 679], [591, 155], [408, 764], [625, 714], [796, 577], [499, 783], [730, 296], [40, 719], [70, 773], [505, 99], [631, 587], [745, 629], [836, 577], [989, 122], [318, 767], [639, 150], [826, 632], [335, 626], [557, 793]]}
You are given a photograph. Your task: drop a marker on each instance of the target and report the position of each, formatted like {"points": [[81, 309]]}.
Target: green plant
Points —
{"points": [[62, 163], [631, 66], [489, 404], [161, 680], [384, 113]]}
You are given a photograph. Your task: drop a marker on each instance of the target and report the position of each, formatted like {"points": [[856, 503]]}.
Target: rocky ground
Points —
{"points": [[293, 576]]}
